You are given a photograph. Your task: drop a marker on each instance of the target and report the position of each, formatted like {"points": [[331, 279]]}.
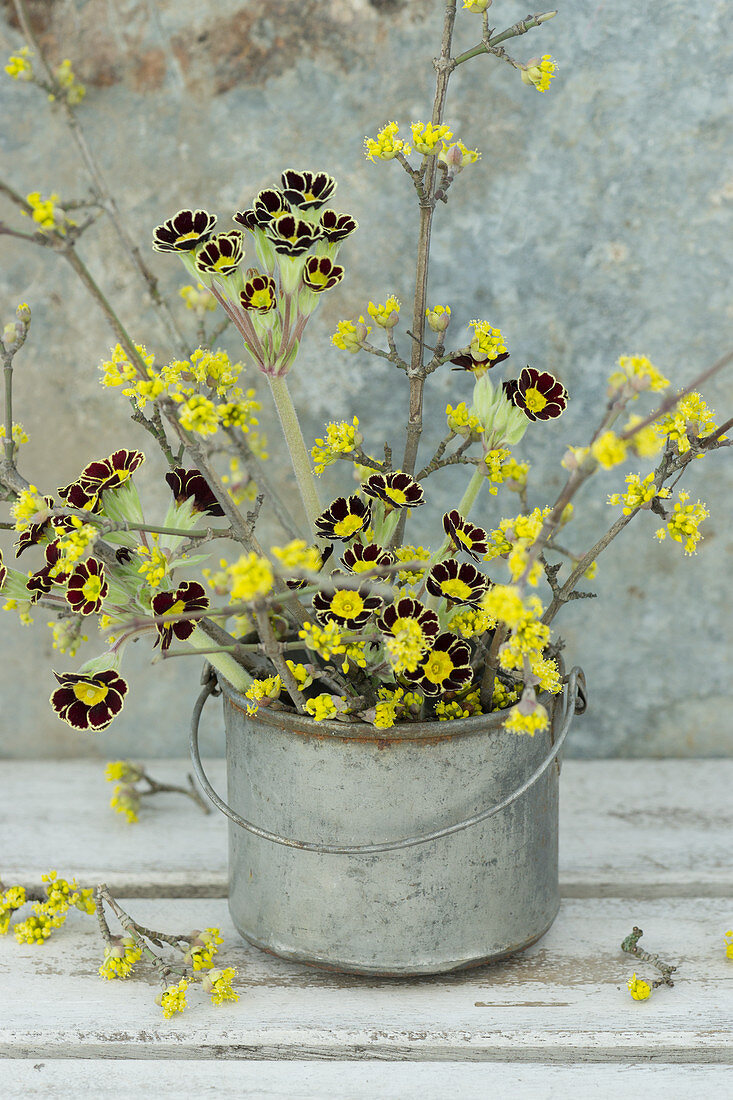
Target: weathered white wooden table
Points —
{"points": [[642, 842]]}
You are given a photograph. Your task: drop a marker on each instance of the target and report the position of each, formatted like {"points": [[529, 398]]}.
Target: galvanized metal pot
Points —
{"points": [[420, 849]]}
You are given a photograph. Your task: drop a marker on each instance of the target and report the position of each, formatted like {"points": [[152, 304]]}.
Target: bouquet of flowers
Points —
{"points": [[344, 618]]}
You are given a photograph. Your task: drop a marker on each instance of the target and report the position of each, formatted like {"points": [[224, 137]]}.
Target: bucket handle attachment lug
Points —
{"points": [[575, 701]]}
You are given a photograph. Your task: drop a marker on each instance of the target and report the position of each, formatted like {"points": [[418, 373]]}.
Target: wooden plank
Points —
{"points": [[642, 828], [299, 1080], [564, 1001]]}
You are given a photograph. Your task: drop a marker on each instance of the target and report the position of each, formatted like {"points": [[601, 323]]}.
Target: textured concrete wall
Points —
{"points": [[597, 222]]}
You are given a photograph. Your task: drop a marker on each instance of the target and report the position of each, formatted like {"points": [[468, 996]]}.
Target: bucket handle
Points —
{"points": [[575, 701]]}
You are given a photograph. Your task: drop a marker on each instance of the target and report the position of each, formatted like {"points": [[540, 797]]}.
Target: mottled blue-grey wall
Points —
{"points": [[596, 223]]}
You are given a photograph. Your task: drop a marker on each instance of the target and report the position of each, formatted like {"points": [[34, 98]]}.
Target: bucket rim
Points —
{"points": [[304, 726]]}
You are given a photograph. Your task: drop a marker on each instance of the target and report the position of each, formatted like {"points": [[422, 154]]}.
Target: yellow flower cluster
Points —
{"points": [[67, 635], [74, 91], [487, 342], [260, 690], [250, 577], [173, 998], [728, 942], [528, 638], [496, 467], [387, 315], [646, 442], [461, 422], [427, 138], [341, 438], [27, 506], [388, 707], [198, 299], [504, 603], [518, 722], [218, 983], [51, 913], [72, 545], [635, 374], [350, 335], [539, 71], [466, 707], [504, 696], [638, 494], [125, 800], [476, 6], [46, 213], [513, 539], [325, 640], [609, 450], [386, 145], [690, 417], [19, 66], [638, 988], [199, 414], [11, 899], [118, 370], [457, 156], [406, 646], [683, 524], [411, 553], [322, 707], [470, 621], [298, 555], [122, 771], [120, 957], [155, 563], [19, 434], [204, 946], [438, 317]]}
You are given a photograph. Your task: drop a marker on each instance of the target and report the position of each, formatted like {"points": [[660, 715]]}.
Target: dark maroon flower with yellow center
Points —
{"points": [[3, 570], [259, 294], [192, 485], [466, 361], [85, 499], [344, 518], [346, 607], [337, 227], [35, 532], [247, 218], [40, 583], [464, 535], [290, 236], [270, 204], [400, 615], [457, 583], [221, 255], [397, 490], [538, 394], [89, 702], [307, 190], [106, 473], [184, 231], [188, 597], [87, 587], [360, 559], [446, 666], [320, 274]]}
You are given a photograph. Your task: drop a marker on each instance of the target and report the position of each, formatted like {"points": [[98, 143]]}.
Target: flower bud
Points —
{"points": [[23, 314], [477, 6], [438, 318]]}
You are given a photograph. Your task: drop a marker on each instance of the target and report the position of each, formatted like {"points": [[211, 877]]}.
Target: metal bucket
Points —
{"points": [[425, 849]]}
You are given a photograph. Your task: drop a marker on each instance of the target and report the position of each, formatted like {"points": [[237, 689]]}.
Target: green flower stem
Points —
{"points": [[296, 445], [128, 525], [9, 445], [223, 662]]}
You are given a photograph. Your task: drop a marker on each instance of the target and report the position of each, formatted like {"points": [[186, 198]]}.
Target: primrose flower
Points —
{"points": [[427, 138], [683, 524], [89, 702], [348, 608], [191, 486], [638, 989], [188, 597], [307, 190], [538, 394], [387, 315], [457, 583], [221, 255], [387, 145], [337, 227], [396, 490], [321, 274], [360, 558], [344, 518], [539, 71], [184, 231], [87, 587], [464, 535], [445, 667]]}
